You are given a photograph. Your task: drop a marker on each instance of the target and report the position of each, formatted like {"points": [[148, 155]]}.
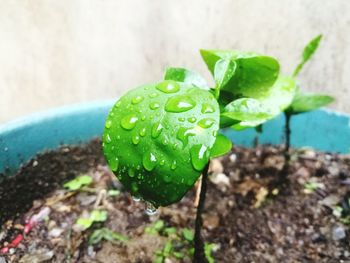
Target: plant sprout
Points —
{"points": [[160, 137], [303, 102]]}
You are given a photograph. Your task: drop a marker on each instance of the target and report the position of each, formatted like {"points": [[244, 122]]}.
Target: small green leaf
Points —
{"points": [[85, 223], [253, 74], [304, 102], [223, 72], [78, 182], [246, 109], [208, 249], [308, 51], [221, 146], [188, 234], [113, 192], [170, 231], [106, 234], [312, 186], [99, 215], [186, 76]]}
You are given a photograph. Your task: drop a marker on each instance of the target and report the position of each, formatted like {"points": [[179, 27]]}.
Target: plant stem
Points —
{"points": [[199, 255], [287, 135]]}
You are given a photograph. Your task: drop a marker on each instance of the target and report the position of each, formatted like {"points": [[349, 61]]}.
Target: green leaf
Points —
{"points": [[275, 101], [221, 146], [246, 109], [308, 51], [104, 233], [158, 137], [78, 182], [113, 192], [223, 72], [188, 234], [208, 249], [253, 74], [95, 216], [304, 102], [186, 76]]}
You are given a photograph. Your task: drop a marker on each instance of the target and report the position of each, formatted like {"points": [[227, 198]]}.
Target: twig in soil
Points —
{"points": [[198, 192], [199, 254]]}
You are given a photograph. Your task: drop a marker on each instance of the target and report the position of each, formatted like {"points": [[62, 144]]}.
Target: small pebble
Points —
{"points": [[338, 233]]}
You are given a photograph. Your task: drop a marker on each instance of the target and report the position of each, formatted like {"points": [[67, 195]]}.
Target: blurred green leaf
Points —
{"points": [[104, 233], [247, 74], [188, 234], [95, 216], [308, 51], [304, 102], [186, 76], [78, 182], [221, 146], [208, 249]]}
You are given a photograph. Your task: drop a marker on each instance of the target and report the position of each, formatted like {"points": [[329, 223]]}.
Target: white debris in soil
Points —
{"points": [[338, 233]]}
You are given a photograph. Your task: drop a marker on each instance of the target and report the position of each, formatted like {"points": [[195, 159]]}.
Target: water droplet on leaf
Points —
{"points": [[108, 124], [192, 119], [156, 129], [129, 122], [135, 139], [136, 99], [207, 108], [206, 123], [149, 161], [180, 103], [143, 132], [168, 86], [199, 156], [154, 105]]}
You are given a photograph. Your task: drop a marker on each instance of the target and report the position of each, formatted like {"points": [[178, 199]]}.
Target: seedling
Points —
{"points": [[78, 182], [105, 234], [95, 216], [303, 102], [160, 137]]}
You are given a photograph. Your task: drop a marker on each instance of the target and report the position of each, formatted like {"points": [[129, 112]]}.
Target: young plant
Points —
{"points": [[160, 137], [303, 102]]}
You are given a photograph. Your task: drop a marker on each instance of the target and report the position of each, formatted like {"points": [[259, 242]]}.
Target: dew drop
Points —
{"points": [[199, 156], [206, 123], [131, 172], [108, 124], [183, 134], [156, 130], [153, 95], [136, 99], [207, 108], [173, 165], [154, 105], [180, 103], [150, 209], [108, 138], [136, 198], [168, 86], [129, 122], [192, 119], [114, 163], [142, 132], [149, 161], [135, 139]]}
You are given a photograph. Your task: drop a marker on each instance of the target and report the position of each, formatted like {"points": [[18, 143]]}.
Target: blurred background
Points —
{"points": [[54, 53]]}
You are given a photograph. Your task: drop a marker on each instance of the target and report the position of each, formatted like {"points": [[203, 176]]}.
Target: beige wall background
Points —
{"points": [[61, 52]]}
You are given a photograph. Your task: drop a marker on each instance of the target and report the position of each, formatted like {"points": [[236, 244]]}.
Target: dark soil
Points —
{"points": [[247, 217]]}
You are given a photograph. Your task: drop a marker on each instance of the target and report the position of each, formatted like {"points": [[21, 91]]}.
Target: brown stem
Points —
{"points": [[199, 255]]}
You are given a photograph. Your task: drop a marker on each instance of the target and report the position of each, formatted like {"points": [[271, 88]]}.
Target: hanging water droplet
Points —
{"points": [[156, 130], [136, 99], [129, 122], [114, 163], [142, 132], [149, 161], [206, 123], [207, 108], [154, 105], [179, 103], [168, 86], [131, 172], [150, 209], [173, 165], [136, 198], [108, 124], [199, 156], [135, 139]]}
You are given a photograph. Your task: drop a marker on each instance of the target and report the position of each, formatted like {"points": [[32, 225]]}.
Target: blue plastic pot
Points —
{"points": [[22, 139]]}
